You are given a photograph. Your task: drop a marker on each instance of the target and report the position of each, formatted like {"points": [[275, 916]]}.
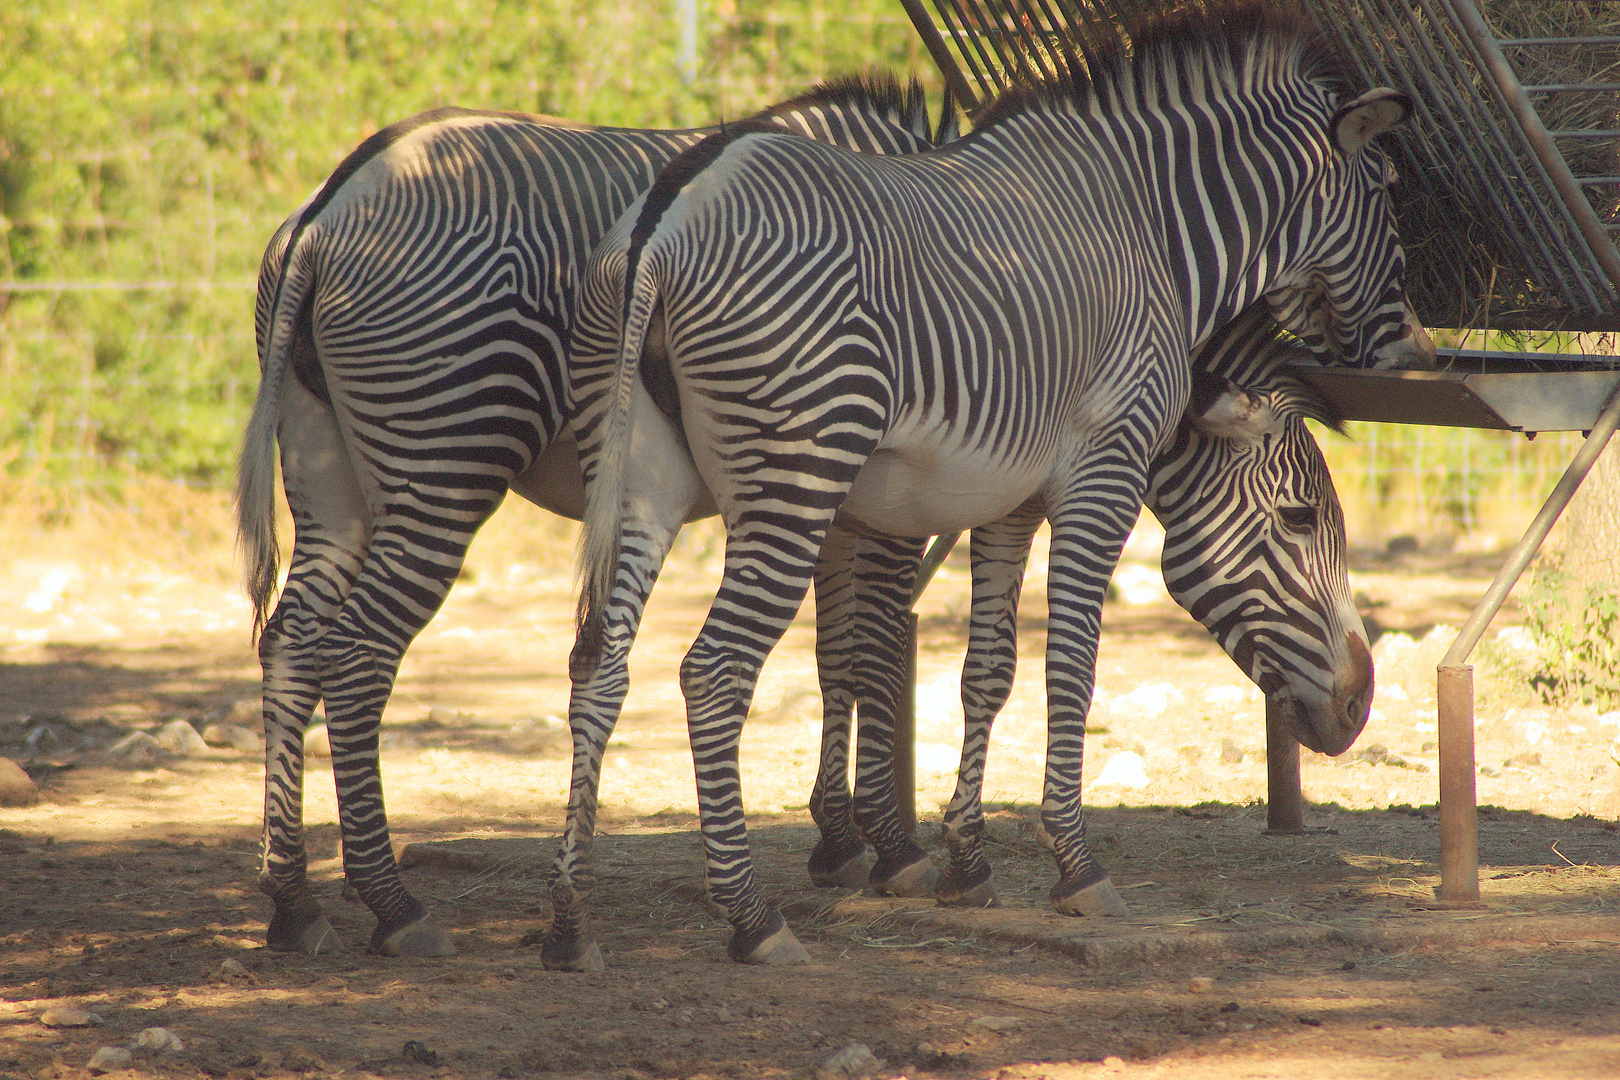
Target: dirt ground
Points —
{"points": [[127, 891]]}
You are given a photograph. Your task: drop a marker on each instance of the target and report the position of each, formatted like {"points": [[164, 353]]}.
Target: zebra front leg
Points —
{"points": [[601, 678], [1000, 552], [839, 858], [885, 569], [1087, 536]]}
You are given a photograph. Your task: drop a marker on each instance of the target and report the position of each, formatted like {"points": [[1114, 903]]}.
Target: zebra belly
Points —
{"points": [[924, 492]]}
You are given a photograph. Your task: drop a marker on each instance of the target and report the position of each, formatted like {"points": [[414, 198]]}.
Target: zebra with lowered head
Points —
{"points": [[1254, 549], [419, 302], [922, 344]]}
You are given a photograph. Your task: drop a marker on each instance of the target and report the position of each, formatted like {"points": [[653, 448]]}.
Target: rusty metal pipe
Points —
{"points": [[1454, 677], [1285, 804]]}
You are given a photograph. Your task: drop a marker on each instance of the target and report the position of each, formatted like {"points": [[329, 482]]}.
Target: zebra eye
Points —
{"points": [[1298, 518]]}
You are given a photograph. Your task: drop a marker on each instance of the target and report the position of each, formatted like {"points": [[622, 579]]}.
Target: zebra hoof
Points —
{"points": [[958, 894], [1100, 898], [852, 873], [778, 949], [419, 938], [918, 879], [587, 957], [313, 939]]}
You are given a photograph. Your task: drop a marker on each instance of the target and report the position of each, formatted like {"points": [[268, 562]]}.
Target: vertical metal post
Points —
{"points": [[1285, 804], [1459, 816], [905, 733], [1454, 678]]}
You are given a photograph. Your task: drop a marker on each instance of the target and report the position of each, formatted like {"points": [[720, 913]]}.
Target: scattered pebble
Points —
{"points": [[233, 736], [998, 1023], [1124, 769], [17, 788], [137, 750], [533, 735], [1201, 984], [68, 1016], [854, 1062], [179, 737], [232, 970], [248, 713], [158, 1040], [109, 1058], [1231, 753]]}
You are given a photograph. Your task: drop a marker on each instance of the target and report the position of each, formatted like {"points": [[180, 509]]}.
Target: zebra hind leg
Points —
{"points": [[329, 548], [1000, 552], [297, 922], [885, 569], [840, 858], [600, 683]]}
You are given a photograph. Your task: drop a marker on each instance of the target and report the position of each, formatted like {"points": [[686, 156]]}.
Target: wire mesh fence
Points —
{"points": [[149, 150]]}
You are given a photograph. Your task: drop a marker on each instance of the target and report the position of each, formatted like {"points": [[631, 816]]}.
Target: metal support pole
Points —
{"points": [[905, 708], [1459, 817], [1285, 805], [1459, 843], [955, 81], [905, 733]]}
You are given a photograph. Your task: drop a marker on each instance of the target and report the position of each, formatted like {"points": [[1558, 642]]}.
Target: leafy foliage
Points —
{"points": [[1572, 655], [149, 148]]}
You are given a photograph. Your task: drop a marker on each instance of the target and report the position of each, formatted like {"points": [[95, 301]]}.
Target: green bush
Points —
{"points": [[149, 148]]}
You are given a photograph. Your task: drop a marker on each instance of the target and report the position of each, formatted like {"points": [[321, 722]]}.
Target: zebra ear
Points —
{"points": [[1360, 121], [1225, 410]]}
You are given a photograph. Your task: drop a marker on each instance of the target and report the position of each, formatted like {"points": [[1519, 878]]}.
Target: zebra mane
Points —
{"points": [[1252, 352], [1225, 42], [876, 92]]}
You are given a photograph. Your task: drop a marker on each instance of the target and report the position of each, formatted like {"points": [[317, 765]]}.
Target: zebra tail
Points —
{"points": [[256, 466], [602, 535]]}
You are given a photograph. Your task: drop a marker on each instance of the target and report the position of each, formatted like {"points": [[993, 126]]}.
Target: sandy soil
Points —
{"points": [[127, 891]]}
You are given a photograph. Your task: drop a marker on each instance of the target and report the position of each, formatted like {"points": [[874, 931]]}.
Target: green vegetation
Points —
{"points": [[148, 149]]}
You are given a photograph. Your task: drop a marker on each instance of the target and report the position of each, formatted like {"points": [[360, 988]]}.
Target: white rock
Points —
{"points": [[233, 736], [1124, 769], [1527, 725], [854, 1062], [248, 713], [68, 1016], [137, 750], [1520, 639], [17, 788], [998, 1023], [179, 737], [1150, 700], [109, 1058], [1609, 719], [49, 590], [317, 742], [158, 1040], [1201, 984], [1139, 586], [536, 734], [1229, 694]]}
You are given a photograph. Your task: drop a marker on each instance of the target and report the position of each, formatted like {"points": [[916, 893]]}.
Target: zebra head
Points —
{"points": [[1254, 543], [1345, 300]]}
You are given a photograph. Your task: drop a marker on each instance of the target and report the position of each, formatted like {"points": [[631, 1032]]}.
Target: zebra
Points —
{"points": [[420, 299], [1254, 549], [920, 344]]}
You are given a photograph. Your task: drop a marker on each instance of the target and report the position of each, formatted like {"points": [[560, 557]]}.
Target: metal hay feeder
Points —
{"points": [[1509, 211]]}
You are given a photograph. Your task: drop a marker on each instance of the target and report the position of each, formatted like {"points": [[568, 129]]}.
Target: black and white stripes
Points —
{"points": [[420, 300], [924, 343]]}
